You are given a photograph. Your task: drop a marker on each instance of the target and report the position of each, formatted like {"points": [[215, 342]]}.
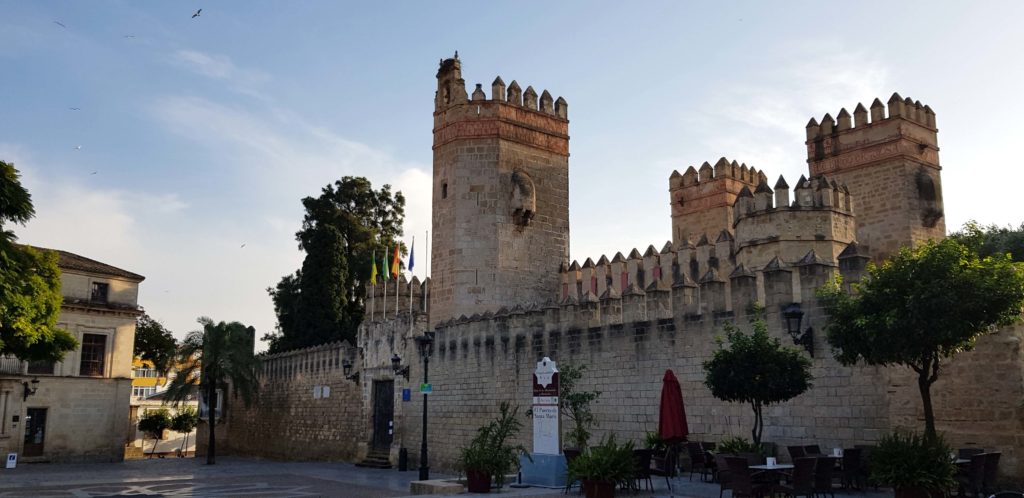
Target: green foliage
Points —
{"points": [[218, 355], [756, 369], [921, 306], [30, 297], [653, 441], [736, 446], [186, 420], [992, 240], [575, 404], [155, 343], [367, 222], [606, 462], [911, 460], [155, 422], [490, 451]]}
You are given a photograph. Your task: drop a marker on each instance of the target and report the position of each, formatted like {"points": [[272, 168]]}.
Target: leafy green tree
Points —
{"points": [[153, 342], [154, 423], [756, 369], [369, 222], [992, 240], [921, 306], [575, 404], [30, 297], [184, 422], [219, 355]]}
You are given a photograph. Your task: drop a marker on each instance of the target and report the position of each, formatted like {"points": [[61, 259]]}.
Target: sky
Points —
{"points": [[179, 147]]}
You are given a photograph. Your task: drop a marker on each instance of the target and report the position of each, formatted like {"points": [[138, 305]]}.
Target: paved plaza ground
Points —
{"points": [[238, 477]]}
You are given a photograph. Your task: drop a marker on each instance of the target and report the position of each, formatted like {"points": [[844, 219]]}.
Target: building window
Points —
{"points": [[444, 191], [94, 350], [143, 372], [204, 406], [40, 367], [99, 292], [142, 392]]}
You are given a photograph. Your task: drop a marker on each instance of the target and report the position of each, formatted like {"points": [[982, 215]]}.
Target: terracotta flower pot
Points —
{"points": [[478, 482], [598, 489]]}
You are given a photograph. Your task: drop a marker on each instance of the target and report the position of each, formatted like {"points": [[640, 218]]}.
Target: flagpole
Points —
{"points": [[373, 284], [384, 312], [411, 260], [426, 268]]}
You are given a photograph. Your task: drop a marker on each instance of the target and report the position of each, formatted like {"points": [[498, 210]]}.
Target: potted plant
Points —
{"points": [[915, 465], [490, 455], [653, 441], [603, 466], [740, 447]]}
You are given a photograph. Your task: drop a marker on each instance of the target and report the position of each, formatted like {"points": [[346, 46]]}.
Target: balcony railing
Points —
{"points": [[9, 365]]}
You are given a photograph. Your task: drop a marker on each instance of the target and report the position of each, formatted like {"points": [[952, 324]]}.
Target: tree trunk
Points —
{"points": [[155, 442], [758, 424], [144, 446], [924, 384], [211, 450]]}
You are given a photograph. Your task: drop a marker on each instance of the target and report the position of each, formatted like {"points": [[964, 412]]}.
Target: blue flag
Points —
{"points": [[412, 251]]}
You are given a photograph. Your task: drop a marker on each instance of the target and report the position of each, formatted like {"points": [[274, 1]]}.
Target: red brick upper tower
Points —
{"points": [[500, 198], [890, 164]]}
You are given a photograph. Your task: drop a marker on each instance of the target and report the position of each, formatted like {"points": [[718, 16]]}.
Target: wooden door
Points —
{"points": [[383, 413], [35, 432]]}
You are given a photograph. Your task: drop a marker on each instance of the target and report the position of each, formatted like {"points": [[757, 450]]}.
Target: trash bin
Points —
{"points": [[403, 459]]}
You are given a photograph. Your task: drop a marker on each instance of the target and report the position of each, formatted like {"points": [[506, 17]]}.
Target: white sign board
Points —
{"points": [[545, 408], [12, 460]]}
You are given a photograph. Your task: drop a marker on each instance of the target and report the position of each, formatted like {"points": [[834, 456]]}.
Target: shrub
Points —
{"points": [[490, 452], [906, 459], [607, 462]]}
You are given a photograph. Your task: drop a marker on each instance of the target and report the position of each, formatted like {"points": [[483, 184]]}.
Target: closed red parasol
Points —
{"points": [[672, 416]]}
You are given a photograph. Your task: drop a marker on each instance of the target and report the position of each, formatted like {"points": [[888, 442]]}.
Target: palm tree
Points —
{"points": [[219, 355]]}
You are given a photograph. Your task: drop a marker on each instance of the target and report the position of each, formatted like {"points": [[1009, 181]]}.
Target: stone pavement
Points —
{"points": [[238, 477]]}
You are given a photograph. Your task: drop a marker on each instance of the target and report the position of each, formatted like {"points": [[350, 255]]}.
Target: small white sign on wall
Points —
{"points": [[325, 391], [12, 460], [316, 392]]}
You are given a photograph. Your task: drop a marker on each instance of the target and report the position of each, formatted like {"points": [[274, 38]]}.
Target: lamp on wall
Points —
{"points": [[425, 343], [346, 367], [29, 391], [396, 365], [793, 316]]}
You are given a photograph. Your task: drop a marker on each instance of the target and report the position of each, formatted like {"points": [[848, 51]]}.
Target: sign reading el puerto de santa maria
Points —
{"points": [[545, 408]]}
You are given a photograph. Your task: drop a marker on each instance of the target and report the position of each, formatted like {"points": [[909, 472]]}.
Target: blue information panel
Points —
{"points": [[406, 394]]}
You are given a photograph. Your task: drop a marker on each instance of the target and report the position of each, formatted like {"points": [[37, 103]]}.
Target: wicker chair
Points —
{"points": [[823, 469], [570, 455], [991, 472], [743, 481], [971, 478], [698, 460], [802, 479], [854, 475]]}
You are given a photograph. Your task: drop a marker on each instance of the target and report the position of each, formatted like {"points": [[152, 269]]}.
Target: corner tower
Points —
{"points": [[500, 197], [891, 164], [702, 202]]}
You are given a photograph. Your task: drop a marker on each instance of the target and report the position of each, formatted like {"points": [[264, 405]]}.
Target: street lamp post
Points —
{"points": [[425, 341]]}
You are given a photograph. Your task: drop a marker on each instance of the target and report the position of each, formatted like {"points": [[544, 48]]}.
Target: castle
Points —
{"points": [[503, 293]]}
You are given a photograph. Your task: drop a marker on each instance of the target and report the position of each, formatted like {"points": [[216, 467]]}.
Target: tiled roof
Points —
{"points": [[73, 262]]}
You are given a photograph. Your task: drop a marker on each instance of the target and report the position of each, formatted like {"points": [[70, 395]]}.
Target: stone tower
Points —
{"points": [[702, 202], [891, 165], [500, 198]]}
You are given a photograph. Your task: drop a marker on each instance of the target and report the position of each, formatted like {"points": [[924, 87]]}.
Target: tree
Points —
{"points": [[992, 240], [154, 343], [368, 222], [184, 422], [154, 423], [756, 369], [219, 355], [576, 404], [30, 297], [921, 306]]}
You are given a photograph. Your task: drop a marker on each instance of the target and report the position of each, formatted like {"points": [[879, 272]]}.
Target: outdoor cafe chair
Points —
{"points": [[642, 460], [698, 459], [743, 481], [971, 478], [796, 452], [823, 469], [853, 474], [722, 476], [967, 453], [665, 466], [570, 455], [802, 478], [991, 472], [812, 449]]}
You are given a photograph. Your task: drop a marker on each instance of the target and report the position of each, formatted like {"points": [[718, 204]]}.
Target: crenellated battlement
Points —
{"points": [[702, 199], [888, 155], [396, 298]]}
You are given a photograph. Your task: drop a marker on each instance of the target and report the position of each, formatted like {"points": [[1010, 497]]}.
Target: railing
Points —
{"points": [[9, 365]]}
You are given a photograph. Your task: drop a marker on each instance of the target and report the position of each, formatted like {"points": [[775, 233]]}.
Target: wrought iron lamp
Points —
{"points": [[793, 316], [346, 367], [396, 365], [29, 391]]}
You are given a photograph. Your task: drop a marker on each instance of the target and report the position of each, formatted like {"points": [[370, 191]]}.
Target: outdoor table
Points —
{"points": [[773, 473], [961, 461], [778, 466]]}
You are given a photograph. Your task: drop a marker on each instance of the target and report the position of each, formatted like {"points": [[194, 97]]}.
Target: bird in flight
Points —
{"points": [[93, 173], [197, 13], [129, 36], [75, 108], [78, 147], [243, 245], [58, 23]]}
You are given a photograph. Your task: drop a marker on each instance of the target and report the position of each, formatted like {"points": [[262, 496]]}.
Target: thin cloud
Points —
{"points": [[220, 67]]}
